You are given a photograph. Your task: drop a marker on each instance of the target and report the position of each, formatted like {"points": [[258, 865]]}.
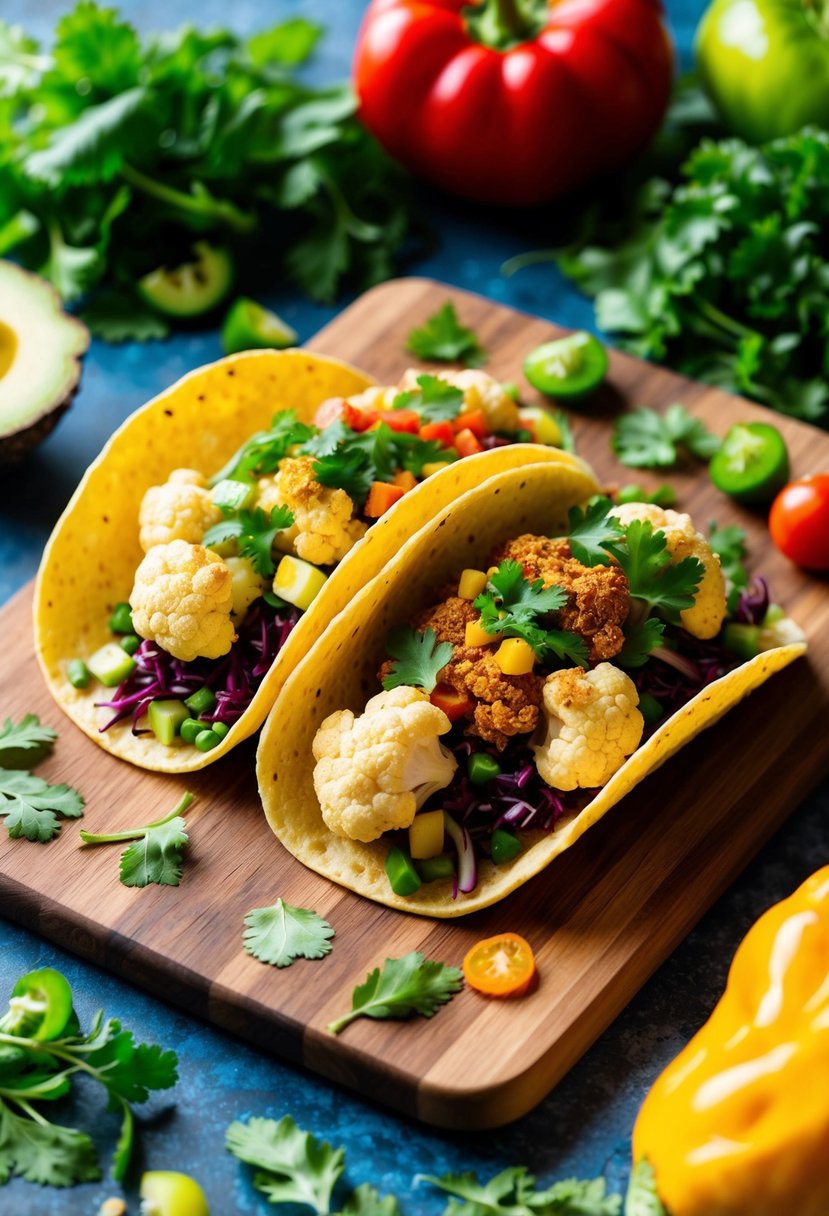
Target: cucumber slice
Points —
{"points": [[194, 287], [249, 326], [165, 719], [110, 665]]}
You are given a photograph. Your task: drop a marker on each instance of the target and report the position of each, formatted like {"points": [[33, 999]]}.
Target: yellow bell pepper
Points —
{"points": [[738, 1124]]}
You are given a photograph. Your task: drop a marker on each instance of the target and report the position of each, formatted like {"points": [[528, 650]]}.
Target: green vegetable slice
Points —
{"points": [[283, 933], [41, 1005], [401, 873], [249, 326], [192, 288], [752, 463], [567, 368]]}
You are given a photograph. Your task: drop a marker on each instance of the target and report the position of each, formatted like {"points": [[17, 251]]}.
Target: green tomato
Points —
{"points": [[765, 65], [166, 1193]]}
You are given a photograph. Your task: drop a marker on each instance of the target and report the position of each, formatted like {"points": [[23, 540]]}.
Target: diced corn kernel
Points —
{"points": [[298, 582], [515, 657], [435, 466], [476, 635], [426, 835], [543, 425], [472, 583]]}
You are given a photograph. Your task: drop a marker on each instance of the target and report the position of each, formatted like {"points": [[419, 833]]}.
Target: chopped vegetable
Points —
{"points": [[41, 1005], [500, 966], [546, 427], [231, 496], [453, 703], [255, 532], [432, 869], [121, 619], [426, 835], [503, 846], [403, 877], [567, 368], [512, 606], [467, 863], [110, 664], [381, 496], [729, 544], [168, 1193], [644, 439], [249, 326], [166, 719], [482, 768], [515, 657], [442, 339], [403, 987], [799, 521], [155, 855], [752, 463], [31, 807], [129, 643], [662, 496], [201, 702], [193, 287], [418, 657], [298, 582], [207, 739], [26, 743], [282, 933], [472, 584], [78, 674]]}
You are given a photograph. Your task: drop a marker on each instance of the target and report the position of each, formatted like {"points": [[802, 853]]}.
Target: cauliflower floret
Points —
{"points": [[375, 771], [480, 392], [182, 599], [705, 616], [378, 397], [780, 632], [181, 509], [593, 725], [247, 585], [323, 530]]}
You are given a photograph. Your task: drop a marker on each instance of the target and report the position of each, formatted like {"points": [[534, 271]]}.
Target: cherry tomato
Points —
{"points": [[799, 521], [500, 966]]}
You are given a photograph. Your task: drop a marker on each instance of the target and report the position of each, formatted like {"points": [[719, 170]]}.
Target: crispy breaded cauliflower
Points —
{"points": [[705, 617], [480, 392], [323, 530], [181, 509], [593, 725], [182, 599], [375, 771]]}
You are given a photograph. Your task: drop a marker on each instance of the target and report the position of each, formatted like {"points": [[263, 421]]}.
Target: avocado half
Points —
{"points": [[41, 348]]}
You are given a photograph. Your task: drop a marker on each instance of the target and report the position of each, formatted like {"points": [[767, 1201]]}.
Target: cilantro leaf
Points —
{"points": [[662, 496], [31, 806], [91, 149], [404, 987], [442, 339], [590, 531], [120, 316], [513, 607], [434, 399], [729, 543], [255, 531], [44, 1153], [666, 586], [262, 453], [348, 469], [24, 745], [642, 1198], [292, 1165], [282, 933], [155, 854], [514, 1191], [646, 439], [418, 658], [412, 452], [640, 639], [364, 1200]]}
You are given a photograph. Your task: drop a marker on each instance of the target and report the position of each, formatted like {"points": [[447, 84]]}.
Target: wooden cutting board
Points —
{"points": [[601, 918]]}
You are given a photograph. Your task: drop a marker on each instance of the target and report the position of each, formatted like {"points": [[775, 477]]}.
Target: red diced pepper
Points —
{"points": [[441, 431], [401, 420], [453, 703], [381, 496], [337, 409], [467, 444], [474, 421]]}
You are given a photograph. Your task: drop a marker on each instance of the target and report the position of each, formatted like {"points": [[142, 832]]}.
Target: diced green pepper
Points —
{"points": [[742, 640], [166, 719], [504, 846], [650, 709], [482, 768], [78, 674], [121, 619], [200, 702], [403, 877], [432, 868]]}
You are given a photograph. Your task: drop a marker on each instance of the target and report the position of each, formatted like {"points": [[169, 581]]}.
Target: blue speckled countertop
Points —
{"points": [[584, 1126]]}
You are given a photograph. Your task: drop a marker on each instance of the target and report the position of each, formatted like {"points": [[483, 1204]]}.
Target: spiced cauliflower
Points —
{"points": [[181, 509], [593, 725], [480, 392], [705, 616], [373, 772], [182, 599], [323, 530]]}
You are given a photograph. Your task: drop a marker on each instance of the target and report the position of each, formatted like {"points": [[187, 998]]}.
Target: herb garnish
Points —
{"points": [[25, 744], [729, 543], [513, 1191], [442, 339], [434, 399], [643, 439], [663, 584], [418, 657], [255, 532], [155, 856], [282, 933], [405, 986], [513, 607], [30, 806], [262, 453]]}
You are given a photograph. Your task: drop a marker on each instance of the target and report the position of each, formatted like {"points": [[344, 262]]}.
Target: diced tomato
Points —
{"points": [[337, 409], [363, 420], [405, 479], [474, 421], [401, 420], [467, 444], [381, 496], [441, 431], [453, 703]]}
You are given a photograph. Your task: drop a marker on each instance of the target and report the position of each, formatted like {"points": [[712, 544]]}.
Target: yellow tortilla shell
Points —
{"points": [[90, 560], [342, 673]]}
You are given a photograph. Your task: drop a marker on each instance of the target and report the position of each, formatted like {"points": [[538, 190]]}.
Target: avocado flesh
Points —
{"points": [[41, 348]]}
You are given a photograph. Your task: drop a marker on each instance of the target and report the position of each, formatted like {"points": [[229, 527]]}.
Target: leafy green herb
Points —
{"points": [[644, 439], [282, 933], [155, 856], [729, 543], [667, 586], [433, 399], [641, 638], [24, 745], [30, 806], [418, 658], [34, 1070], [255, 532], [404, 987], [443, 339], [116, 315], [568, 443], [590, 531], [513, 1192], [662, 496], [262, 453], [180, 135], [642, 1198], [351, 460], [292, 1165], [513, 607]]}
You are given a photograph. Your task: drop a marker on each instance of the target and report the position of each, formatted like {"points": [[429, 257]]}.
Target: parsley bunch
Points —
{"points": [[118, 151], [724, 273]]}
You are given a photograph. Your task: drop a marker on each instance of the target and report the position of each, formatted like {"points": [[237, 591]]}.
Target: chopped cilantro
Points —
{"points": [[418, 657], [729, 543], [25, 744], [405, 986], [350, 470], [154, 856], [255, 532], [513, 607], [282, 933], [413, 453], [646, 439], [30, 806], [666, 586], [640, 639], [591, 530], [292, 1166], [262, 453], [443, 339], [513, 1191], [434, 399]]}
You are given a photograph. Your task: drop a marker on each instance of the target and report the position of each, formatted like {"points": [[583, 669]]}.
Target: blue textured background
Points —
{"points": [[584, 1126]]}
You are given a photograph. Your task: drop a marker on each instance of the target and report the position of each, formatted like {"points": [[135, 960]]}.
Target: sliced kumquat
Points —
{"points": [[500, 966]]}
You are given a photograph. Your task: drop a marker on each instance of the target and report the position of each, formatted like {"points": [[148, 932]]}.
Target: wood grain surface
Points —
{"points": [[600, 919]]}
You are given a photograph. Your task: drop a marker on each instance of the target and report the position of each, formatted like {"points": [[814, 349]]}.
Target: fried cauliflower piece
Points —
{"points": [[598, 601], [323, 530], [593, 725], [374, 771], [182, 600], [480, 392], [705, 616], [181, 509]]}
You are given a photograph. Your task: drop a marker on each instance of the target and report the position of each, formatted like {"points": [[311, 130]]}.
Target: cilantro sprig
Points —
{"points": [[255, 532], [729, 543], [442, 339], [32, 808], [513, 607], [262, 452], [644, 439], [664, 585], [282, 933], [434, 399], [402, 988], [351, 460], [155, 854], [418, 657], [513, 1191], [26, 743]]}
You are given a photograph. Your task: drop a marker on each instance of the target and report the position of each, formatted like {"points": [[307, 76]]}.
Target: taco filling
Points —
{"points": [[233, 557], [515, 696]]}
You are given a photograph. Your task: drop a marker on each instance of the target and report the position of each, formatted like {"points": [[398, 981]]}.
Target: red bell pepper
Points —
{"points": [[474, 421], [453, 703], [381, 496], [467, 444], [512, 101], [336, 409], [401, 420], [440, 431]]}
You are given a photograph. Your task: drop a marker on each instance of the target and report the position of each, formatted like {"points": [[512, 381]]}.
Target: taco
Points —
{"points": [[529, 657], [226, 523]]}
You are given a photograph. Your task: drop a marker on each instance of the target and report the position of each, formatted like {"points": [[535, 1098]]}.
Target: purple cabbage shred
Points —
{"points": [[753, 603]]}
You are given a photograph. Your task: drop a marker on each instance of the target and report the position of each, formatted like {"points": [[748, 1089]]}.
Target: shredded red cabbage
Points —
{"points": [[753, 603], [233, 679], [677, 671]]}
